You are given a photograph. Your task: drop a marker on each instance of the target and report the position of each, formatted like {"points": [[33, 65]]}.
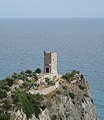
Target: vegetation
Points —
{"points": [[65, 87], [58, 91], [7, 104], [70, 76], [54, 117], [30, 104], [28, 71], [72, 95], [75, 72], [35, 76], [15, 76], [47, 80], [1, 111], [6, 87], [5, 116], [82, 77], [38, 70], [82, 87], [43, 107], [9, 81], [3, 93]]}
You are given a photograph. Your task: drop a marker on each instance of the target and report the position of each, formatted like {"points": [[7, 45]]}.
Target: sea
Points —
{"points": [[79, 43]]}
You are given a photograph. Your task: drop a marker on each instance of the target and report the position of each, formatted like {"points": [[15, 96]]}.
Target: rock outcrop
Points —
{"points": [[70, 100]]}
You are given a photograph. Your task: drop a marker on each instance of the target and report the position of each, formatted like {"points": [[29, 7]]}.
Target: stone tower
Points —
{"points": [[50, 62]]}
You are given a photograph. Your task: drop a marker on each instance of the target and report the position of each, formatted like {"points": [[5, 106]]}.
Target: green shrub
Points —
{"points": [[22, 73], [58, 91], [7, 104], [51, 83], [82, 87], [75, 72], [35, 76], [65, 87], [5, 116], [15, 76], [47, 80], [6, 87], [67, 77], [14, 97], [43, 107], [29, 103], [3, 93], [22, 77], [38, 70], [82, 77], [54, 117], [70, 76], [72, 95], [28, 71], [9, 81], [25, 105], [26, 85], [1, 111]]}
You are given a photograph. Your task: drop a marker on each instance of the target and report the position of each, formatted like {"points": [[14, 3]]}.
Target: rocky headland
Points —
{"points": [[35, 96]]}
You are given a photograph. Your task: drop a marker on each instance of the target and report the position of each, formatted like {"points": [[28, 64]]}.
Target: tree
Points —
{"points": [[15, 76], [7, 104], [6, 87], [22, 72], [38, 70], [3, 93], [5, 116], [28, 71], [82, 77], [9, 80]]}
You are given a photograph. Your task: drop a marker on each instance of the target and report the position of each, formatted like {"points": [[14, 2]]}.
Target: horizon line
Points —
{"points": [[45, 17]]}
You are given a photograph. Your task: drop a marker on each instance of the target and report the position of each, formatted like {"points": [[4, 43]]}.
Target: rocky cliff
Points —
{"points": [[66, 97]]}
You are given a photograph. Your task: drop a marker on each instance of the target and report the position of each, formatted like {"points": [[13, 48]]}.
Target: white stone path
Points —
{"points": [[45, 90]]}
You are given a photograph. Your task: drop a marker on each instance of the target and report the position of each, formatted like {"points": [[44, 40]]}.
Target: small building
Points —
{"points": [[50, 62]]}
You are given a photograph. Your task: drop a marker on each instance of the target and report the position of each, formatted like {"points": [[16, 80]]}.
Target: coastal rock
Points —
{"points": [[67, 97]]}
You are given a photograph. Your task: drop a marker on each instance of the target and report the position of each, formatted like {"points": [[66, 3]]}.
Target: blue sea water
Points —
{"points": [[79, 43]]}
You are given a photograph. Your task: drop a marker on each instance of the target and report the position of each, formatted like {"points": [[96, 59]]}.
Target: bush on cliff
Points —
{"points": [[5, 116], [3, 93], [30, 104], [72, 95], [9, 81], [7, 104], [82, 87], [38, 70], [70, 76]]}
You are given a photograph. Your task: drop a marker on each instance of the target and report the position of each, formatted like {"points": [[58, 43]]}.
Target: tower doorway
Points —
{"points": [[47, 70]]}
